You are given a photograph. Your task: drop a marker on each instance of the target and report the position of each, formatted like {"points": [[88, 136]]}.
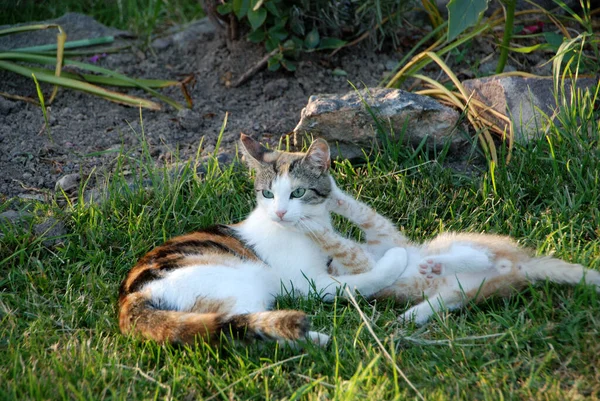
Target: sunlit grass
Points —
{"points": [[59, 336]]}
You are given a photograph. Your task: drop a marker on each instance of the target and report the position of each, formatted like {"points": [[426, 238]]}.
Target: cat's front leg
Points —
{"points": [[381, 234], [385, 272], [344, 251]]}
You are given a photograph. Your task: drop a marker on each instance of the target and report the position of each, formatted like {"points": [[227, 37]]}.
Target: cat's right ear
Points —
{"points": [[254, 153]]}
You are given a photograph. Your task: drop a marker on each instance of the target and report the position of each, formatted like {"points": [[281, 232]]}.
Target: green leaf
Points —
{"points": [[312, 39], [272, 8], [224, 8], [331, 43], [278, 32], [257, 18], [271, 43], [554, 39], [274, 63], [240, 8], [288, 65], [463, 14], [297, 26], [256, 36]]}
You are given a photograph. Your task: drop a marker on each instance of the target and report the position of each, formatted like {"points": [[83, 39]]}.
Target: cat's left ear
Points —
{"points": [[254, 153], [318, 155]]}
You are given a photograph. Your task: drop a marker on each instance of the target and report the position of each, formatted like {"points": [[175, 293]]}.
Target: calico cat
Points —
{"points": [[450, 270], [224, 280]]}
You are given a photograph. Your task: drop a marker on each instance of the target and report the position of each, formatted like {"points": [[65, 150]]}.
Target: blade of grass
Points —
{"points": [[42, 104], [420, 61]]}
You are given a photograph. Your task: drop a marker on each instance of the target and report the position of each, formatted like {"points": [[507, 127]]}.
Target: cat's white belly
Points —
{"points": [[250, 285]]}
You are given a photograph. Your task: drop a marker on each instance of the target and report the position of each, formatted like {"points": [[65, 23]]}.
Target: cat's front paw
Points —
{"points": [[429, 267], [309, 226]]}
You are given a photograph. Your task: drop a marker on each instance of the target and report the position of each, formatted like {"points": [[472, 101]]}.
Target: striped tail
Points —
{"points": [[138, 316], [559, 271]]}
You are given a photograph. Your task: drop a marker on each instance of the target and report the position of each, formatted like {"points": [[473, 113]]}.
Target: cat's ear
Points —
{"points": [[254, 153], [318, 156]]}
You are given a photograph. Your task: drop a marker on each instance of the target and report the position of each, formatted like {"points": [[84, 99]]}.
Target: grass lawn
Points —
{"points": [[59, 337]]}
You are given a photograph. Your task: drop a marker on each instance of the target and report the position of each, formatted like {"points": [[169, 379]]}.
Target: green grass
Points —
{"points": [[141, 17], [59, 336]]}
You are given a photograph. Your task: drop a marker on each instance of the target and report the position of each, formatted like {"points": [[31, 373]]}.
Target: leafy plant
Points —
{"points": [[282, 28]]}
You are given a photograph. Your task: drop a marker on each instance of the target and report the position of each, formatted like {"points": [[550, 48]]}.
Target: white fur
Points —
{"points": [[291, 262]]}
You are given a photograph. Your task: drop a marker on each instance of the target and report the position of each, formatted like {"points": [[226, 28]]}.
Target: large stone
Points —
{"points": [[529, 102], [345, 122]]}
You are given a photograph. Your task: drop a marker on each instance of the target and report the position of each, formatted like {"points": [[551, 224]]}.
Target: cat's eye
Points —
{"points": [[267, 194], [298, 193]]}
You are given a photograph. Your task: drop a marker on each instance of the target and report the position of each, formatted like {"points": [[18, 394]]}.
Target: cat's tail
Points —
{"points": [[558, 271], [138, 316]]}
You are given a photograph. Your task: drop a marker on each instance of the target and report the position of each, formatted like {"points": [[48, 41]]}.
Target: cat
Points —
{"points": [[447, 272], [224, 280]]}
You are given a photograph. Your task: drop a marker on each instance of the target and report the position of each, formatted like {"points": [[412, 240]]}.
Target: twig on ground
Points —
{"points": [[310, 379], [256, 68], [456, 341], [381, 347], [149, 378]]}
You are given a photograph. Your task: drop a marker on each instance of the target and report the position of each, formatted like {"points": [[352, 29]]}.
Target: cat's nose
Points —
{"points": [[281, 213]]}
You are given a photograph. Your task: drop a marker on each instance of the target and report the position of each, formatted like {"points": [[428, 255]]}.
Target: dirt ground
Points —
{"points": [[87, 132]]}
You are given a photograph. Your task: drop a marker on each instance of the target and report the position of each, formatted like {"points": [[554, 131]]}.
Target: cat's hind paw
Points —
{"points": [[319, 339], [393, 263], [431, 268]]}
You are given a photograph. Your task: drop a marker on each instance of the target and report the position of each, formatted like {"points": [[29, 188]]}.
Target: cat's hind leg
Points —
{"points": [[425, 310], [458, 259]]}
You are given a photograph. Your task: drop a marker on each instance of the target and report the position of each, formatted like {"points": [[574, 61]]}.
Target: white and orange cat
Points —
{"points": [[224, 280]]}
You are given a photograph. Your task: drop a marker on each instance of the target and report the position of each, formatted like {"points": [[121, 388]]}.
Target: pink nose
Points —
{"points": [[281, 213]]}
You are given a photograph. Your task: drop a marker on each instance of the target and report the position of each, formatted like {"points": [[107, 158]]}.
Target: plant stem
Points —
{"points": [[508, 30]]}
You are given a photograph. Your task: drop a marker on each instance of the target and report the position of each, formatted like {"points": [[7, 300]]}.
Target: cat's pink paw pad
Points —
{"points": [[430, 268]]}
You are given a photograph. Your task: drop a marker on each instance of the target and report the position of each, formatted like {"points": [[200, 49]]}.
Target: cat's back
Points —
{"points": [[217, 245]]}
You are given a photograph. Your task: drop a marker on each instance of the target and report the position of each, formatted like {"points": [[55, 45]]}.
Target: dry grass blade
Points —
{"points": [[61, 38], [379, 344]]}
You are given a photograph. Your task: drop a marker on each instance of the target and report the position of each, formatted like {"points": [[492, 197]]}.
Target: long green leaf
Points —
{"points": [[51, 60], [82, 86], [68, 45], [110, 81], [27, 28]]}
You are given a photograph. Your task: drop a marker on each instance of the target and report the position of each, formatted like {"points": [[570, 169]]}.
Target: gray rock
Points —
{"points": [[190, 120], [77, 26], [14, 217], [344, 121], [52, 229], [68, 183], [193, 32], [524, 100], [275, 89]]}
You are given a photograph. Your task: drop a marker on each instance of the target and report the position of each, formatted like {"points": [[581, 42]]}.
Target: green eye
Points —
{"points": [[267, 194], [298, 193]]}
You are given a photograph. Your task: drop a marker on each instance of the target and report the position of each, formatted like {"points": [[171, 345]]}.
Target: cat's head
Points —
{"points": [[289, 185]]}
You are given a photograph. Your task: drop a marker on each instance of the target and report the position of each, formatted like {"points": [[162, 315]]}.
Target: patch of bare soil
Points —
{"points": [[87, 132]]}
